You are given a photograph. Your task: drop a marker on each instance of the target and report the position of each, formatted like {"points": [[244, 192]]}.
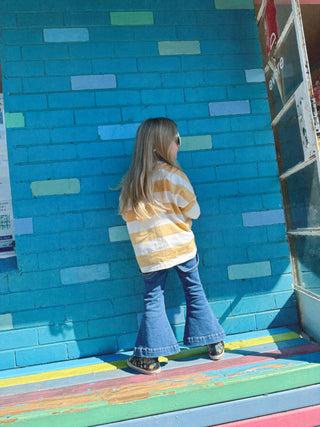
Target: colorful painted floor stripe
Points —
{"points": [[250, 369]]}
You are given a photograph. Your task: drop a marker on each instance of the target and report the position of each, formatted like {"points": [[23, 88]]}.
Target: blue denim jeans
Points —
{"points": [[155, 337]]}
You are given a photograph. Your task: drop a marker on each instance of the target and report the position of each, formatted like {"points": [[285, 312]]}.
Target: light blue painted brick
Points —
{"points": [[67, 68], [115, 65], [87, 273], [104, 81], [45, 119], [25, 68], [46, 84], [225, 173], [234, 325], [125, 131], [248, 271], [18, 339], [118, 234], [256, 304], [205, 94], [255, 75], [229, 107], [98, 116], [184, 79], [142, 112], [85, 348], [158, 64], [6, 322], [71, 100], [40, 355], [187, 111], [253, 219], [181, 47], [139, 80], [59, 332], [7, 360], [162, 96], [23, 226], [65, 35], [120, 97], [247, 91]]}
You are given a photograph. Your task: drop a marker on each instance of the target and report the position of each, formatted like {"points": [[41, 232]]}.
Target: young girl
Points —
{"points": [[158, 204]]}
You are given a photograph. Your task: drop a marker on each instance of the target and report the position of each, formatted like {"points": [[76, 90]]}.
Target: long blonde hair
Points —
{"points": [[153, 144]]}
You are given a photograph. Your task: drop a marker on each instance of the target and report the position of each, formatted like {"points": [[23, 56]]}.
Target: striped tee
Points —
{"points": [[166, 240]]}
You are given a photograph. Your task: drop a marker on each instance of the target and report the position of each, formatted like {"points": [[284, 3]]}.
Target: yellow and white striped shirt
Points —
{"points": [[166, 240]]}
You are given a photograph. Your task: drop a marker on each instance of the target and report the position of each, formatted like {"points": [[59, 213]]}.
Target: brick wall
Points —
{"points": [[78, 78]]}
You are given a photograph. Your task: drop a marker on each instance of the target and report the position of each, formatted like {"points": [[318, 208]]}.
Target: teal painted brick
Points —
{"points": [[260, 106], [99, 81], [8, 20], [6, 322], [142, 112], [281, 266], [169, 18], [44, 119], [187, 111], [111, 33], [217, 47], [18, 339], [40, 19], [14, 120], [236, 204], [4, 282], [272, 201], [85, 348], [185, 79], [197, 32], [209, 241], [182, 47], [25, 68], [33, 136], [56, 152], [235, 172], [223, 77], [268, 169], [55, 187], [205, 94], [89, 50], [25, 36], [275, 318], [200, 62], [257, 154], [59, 332], [26, 102], [229, 107], [90, 309], [212, 158], [196, 142], [284, 299], [134, 49], [269, 250], [12, 53], [154, 33], [260, 185], [234, 325], [13, 6], [40, 355], [212, 125], [245, 236], [69, 221], [247, 271], [12, 86], [246, 31], [120, 97], [139, 80], [52, 51], [219, 222], [200, 175], [53, 297], [123, 270], [114, 132], [245, 91], [87, 273], [7, 360], [241, 61], [225, 256], [207, 191], [263, 137], [253, 304], [118, 234], [126, 341], [38, 207], [115, 65], [162, 96], [131, 18], [65, 35], [276, 233], [71, 100], [74, 134], [97, 116], [67, 68], [97, 150], [112, 326], [253, 219], [90, 18]]}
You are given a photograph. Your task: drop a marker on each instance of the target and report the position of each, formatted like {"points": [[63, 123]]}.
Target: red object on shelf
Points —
{"points": [[270, 25]]}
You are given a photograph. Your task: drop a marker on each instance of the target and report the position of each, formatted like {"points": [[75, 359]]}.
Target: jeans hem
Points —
{"points": [[199, 341], [156, 352]]}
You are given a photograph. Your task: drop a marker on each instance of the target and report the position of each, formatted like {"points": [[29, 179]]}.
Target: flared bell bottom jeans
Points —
{"points": [[155, 336]]}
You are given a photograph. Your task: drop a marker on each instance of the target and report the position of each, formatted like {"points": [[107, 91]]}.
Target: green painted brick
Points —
{"points": [[131, 18], [248, 271], [233, 4], [6, 322], [179, 47], [15, 120], [55, 187], [118, 234], [196, 142]]}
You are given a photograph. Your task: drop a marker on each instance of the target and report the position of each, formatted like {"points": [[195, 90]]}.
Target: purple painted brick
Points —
{"points": [[103, 81]]}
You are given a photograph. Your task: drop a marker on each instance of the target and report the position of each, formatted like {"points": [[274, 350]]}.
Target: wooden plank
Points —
{"points": [[158, 397]]}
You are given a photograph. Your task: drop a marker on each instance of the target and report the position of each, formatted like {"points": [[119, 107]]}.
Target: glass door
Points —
{"points": [[296, 126]]}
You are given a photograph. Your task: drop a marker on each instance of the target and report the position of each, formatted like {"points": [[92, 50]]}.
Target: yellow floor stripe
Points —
{"points": [[120, 364]]}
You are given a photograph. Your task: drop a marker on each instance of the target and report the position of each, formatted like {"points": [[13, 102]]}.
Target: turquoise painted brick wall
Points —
{"points": [[78, 79]]}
